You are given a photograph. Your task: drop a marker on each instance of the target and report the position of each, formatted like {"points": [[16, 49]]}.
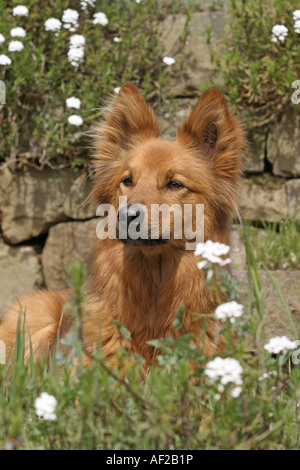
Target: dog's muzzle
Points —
{"points": [[133, 228]]}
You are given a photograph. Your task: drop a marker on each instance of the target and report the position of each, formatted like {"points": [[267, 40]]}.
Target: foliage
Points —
{"points": [[275, 245], [110, 406], [34, 122], [258, 73]]}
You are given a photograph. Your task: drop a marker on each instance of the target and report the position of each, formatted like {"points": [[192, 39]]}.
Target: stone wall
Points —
{"points": [[47, 221], [272, 161]]}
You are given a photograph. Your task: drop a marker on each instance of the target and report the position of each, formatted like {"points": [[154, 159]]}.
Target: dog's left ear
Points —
{"points": [[212, 130]]}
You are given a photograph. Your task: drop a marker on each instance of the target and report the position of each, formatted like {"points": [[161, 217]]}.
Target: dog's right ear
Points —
{"points": [[126, 120]]}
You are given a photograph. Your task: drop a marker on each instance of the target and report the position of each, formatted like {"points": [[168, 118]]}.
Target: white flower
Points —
{"points": [[280, 344], [53, 24], [236, 392], [70, 19], [2, 39], [15, 46], [266, 375], [117, 90], [18, 33], [296, 15], [20, 10], [225, 371], [4, 60], [212, 252], [73, 102], [85, 3], [168, 60], [71, 27], [100, 18], [116, 39], [45, 406], [75, 120], [279, 33], [70, 16], [231, 310], [77, 40], [297, 26], [75, 55]]}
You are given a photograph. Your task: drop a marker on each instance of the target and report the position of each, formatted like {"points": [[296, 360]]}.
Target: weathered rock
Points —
{"points": [[275, 320], [263, 199], [31, 201], [20, 272], [195, 52], [172, 115], [77, 205], [293, 198], [254, 161], [66, 243], [283, 145]]}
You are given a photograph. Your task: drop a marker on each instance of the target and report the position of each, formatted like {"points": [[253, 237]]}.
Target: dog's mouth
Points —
{"points": [[144, 243], [133, 230]]}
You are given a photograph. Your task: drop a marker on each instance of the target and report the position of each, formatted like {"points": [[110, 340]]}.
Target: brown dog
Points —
{"points": [[141, 282]]}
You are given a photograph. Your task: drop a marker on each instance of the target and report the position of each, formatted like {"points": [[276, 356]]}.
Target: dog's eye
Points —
{"points": [[127, 181], [175, 185]]}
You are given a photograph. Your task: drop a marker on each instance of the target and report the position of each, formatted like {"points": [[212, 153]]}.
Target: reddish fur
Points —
{"points": [[142, 287]]}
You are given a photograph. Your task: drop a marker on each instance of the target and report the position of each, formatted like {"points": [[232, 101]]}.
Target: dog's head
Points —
{"points": [[153, 184]]}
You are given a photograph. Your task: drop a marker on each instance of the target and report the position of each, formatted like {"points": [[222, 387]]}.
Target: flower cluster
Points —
{"points": [[267, 375], [280, 344], [75, 120], [296, 18], [53, 24], [86, 3], [225, 371], [280, 31], [76, 50], [15, 46], [168, 60], [18, 32], [100, 18], [212, 252], [230, 310], [20, 10], [70, 19], [75, 103], [4, 60], [45, 406]]}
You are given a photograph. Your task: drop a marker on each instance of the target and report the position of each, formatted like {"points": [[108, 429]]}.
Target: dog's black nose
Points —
{"points": [[128, 214]]}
